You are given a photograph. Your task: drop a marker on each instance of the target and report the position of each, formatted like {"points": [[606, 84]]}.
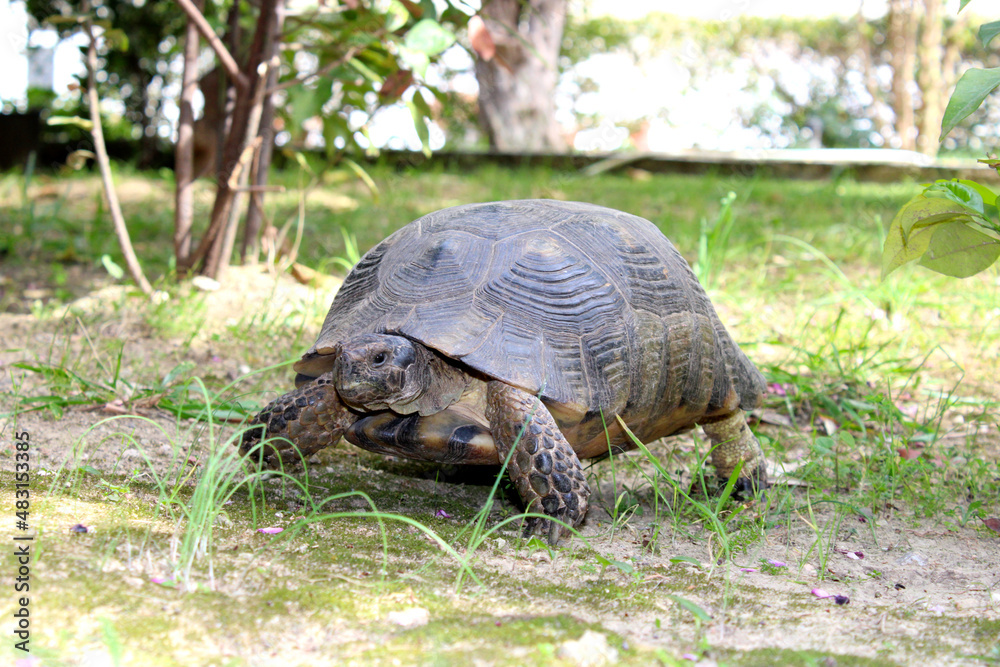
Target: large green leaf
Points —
{"points": [[970, 91], [988, 31], [415, 60], [910, 232], [958, 249], [396, 16], [429, 37], [420, 112]]}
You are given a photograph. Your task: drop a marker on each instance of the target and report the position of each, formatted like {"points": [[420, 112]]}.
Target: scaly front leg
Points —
{"points": [[311, 417], [544, 468]]}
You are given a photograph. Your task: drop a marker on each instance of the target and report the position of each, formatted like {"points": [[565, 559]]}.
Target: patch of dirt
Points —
{"points": [[912, 583]]}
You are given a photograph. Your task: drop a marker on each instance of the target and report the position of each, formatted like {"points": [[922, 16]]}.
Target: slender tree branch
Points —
{"points": [[121, 231], [209, 253], [226, 58], [351, 52]]}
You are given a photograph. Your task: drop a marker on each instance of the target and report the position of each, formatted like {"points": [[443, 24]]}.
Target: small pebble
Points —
{"points": [[414, 617], [590, 650]]}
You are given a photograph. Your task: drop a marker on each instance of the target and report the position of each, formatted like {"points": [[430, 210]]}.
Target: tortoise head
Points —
{"points": [[375, 371], [382, 371]]}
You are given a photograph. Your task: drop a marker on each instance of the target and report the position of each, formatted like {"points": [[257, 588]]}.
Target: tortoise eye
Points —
{"points": [[378, 359]]}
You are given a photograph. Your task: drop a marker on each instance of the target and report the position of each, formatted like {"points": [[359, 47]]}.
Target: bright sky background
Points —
{"points": [[617, 99], [14, 36]]}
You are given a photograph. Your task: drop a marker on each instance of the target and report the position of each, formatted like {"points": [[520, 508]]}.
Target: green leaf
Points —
{"points": [[365, 71], [76, 121], [177, 371], [977, 200], [421, 113], [415, 60], [970, 91], [624, 567], [962, 4], [695, 610], [113, 269], [988, 31], [117, 39], [989, 197], [396, 16], [305, 102], [909, 233], [365, 178], [959, 250], [960, 193], [686, 559], [428, 37]]}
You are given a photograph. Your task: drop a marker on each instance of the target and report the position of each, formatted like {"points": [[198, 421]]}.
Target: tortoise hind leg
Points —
{"points": [[732, 441], [544, 468]]}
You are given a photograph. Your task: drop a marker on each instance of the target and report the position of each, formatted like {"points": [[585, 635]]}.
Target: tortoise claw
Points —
{"points": [[552, 530]]}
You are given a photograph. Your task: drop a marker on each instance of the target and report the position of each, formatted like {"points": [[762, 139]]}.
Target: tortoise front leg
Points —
{"points": [[311, 417], [544, 468], [732, 441]]}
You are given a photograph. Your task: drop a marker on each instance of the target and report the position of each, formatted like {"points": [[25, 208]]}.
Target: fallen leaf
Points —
{"points": [[480, 38], [395, 84], [993, 524], [908, 454], [777, 389], [115, 407]]}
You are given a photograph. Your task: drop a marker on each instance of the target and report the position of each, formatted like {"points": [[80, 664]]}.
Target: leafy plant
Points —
{"points": [[952, 227]]}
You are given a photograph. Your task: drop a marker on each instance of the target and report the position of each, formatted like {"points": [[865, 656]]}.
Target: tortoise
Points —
{"points": [[531, 325]]}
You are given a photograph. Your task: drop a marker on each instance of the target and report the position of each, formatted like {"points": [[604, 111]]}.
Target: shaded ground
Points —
{"points": [[654, 585]]}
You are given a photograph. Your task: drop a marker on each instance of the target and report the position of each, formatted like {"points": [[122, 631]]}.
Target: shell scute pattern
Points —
{"points": [[593, 308]]}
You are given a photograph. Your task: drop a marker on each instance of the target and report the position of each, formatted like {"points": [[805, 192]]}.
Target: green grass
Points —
{"points": [[859, 372]]}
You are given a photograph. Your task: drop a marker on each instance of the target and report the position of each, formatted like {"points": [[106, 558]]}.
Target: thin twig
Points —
{"points": [[101, 151], [351, 52], [226, 58]]}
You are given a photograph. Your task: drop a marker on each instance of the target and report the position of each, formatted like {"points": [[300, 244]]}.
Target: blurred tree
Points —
{"points": [[136, 73], [818, 81], [902, 46], [518, 45], [332, 67]]}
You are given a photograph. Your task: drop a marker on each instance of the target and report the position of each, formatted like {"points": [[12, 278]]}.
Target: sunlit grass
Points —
{"points": [[860, 371]]}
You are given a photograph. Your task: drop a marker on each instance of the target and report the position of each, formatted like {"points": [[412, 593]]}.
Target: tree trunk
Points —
{"points": [[255, 211], [931, 55], [212, 256], [517, 85], [184, 150], [902, 44]]}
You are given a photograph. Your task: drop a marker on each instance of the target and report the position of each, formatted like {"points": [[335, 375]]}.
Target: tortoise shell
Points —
{"points": [[590, 308]]}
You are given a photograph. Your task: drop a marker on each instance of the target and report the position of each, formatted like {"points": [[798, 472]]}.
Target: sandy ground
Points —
{"points": [[908, 583]]}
